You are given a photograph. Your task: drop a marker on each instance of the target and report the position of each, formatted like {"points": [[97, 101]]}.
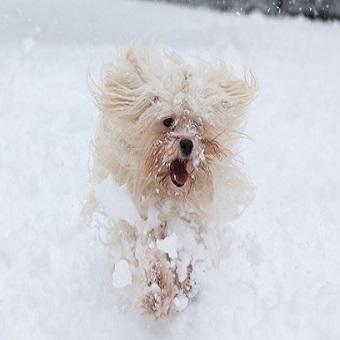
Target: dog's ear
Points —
{"points": [[138, 75], [130, 72], [239, 92], [123, 89]]}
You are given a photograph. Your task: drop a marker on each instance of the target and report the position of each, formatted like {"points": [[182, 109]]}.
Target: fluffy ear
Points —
{"points": [[239, 92], [122, 91], [137, 72]]}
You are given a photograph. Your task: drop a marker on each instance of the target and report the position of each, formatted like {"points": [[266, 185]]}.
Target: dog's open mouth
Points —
{"points": [[178, 172]]}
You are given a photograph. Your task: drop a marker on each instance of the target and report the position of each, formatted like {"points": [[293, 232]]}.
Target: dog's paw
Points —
{"points": [[156, 303], [165, 292], [161, 288], [189, 286]]}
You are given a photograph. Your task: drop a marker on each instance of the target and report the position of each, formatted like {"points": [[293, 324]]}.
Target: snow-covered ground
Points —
{"points": [[281, 277]]}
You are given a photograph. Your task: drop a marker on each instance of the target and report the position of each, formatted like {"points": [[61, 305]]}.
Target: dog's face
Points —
{"points": [[180, 154], [166, 126]]}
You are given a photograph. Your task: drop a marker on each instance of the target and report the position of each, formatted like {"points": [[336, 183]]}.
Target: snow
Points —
{"points": [[28, 43], [116, 201], [168, 245], [281, 275], [181, 302], [121, 276]]}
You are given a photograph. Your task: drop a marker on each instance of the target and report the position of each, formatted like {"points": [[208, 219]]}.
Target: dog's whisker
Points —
{"points": [[190, 187], [163, 178]]}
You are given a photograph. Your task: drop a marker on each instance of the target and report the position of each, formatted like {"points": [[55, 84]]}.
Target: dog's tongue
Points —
{"points": [[180, 174]]}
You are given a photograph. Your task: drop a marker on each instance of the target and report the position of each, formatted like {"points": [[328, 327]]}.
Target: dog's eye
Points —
{"points": [[168, 122]]}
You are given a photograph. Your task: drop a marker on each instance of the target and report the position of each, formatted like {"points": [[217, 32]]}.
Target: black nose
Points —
{"points": [[186, 146]]}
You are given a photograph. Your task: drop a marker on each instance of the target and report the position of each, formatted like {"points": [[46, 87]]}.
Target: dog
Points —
{"points": [[167, 134]]}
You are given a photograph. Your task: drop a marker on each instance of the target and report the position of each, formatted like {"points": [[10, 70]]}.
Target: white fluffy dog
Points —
{"points": [[167, 133]]}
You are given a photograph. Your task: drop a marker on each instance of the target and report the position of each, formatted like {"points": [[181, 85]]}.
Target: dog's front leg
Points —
{"points": [[161, 285]]}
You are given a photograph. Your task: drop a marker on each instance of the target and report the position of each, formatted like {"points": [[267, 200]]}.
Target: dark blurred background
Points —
{"points": [[313, 9]]}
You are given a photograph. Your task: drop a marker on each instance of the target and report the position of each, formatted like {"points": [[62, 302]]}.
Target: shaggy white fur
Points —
{"points": [[167, 133]]}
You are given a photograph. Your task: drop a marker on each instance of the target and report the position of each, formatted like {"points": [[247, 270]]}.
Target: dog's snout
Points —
{"points": [[186, 146]]}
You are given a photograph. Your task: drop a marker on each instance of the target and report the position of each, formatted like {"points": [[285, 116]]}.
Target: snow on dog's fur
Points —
{"points": [[166, 134]]}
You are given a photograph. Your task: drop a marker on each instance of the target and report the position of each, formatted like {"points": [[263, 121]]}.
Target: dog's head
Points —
{"points": [[182, 149], [166, 126]]}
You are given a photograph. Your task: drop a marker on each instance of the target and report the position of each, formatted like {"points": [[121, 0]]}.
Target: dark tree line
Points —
{"points": [[320, 9]]}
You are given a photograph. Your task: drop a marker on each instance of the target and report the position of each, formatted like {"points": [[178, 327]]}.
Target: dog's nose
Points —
{"points": [[186, 146]]}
